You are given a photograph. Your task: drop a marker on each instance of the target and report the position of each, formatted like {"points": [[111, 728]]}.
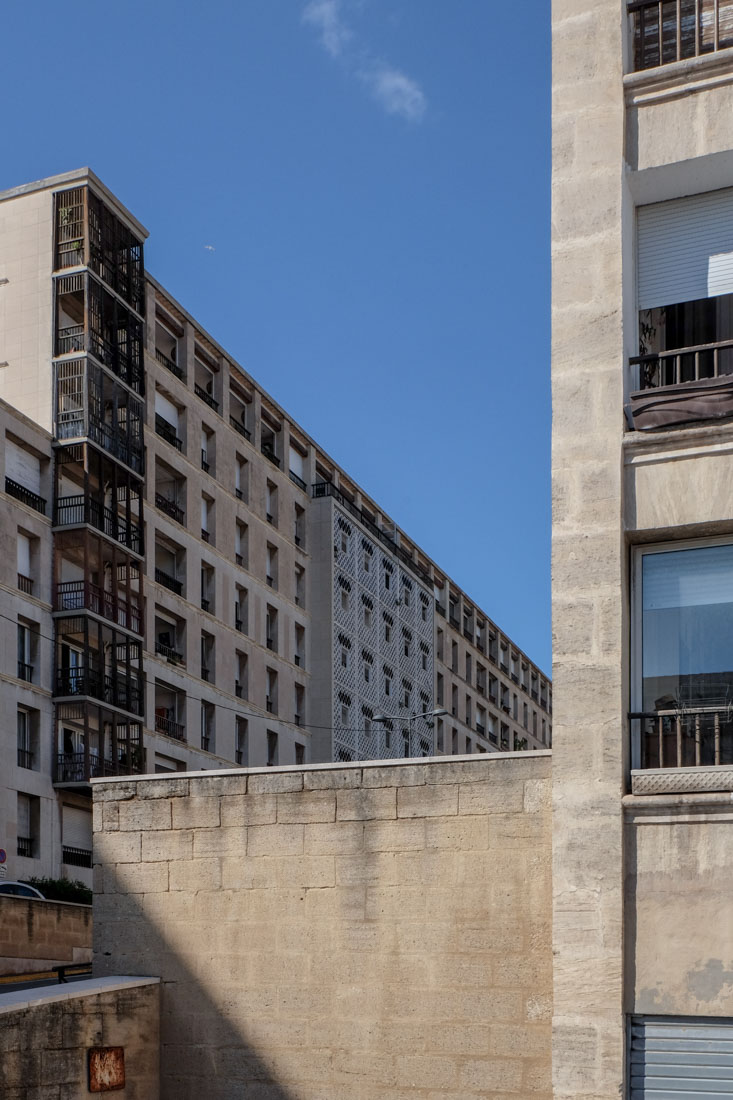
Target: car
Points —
{"points": [[21, 890]]}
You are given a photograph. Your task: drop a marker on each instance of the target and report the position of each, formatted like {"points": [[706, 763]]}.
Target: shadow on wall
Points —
{"points": [[381, 932]]}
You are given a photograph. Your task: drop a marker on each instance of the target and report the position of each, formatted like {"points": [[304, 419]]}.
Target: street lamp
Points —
{"points": [[439, 712]]}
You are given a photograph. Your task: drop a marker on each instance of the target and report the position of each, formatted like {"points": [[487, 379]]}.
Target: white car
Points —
{"points": [[21, 890]]}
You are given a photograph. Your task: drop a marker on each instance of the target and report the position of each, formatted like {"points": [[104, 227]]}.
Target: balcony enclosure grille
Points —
{"points": [[664, 31], [686, 738], [25, 496]]}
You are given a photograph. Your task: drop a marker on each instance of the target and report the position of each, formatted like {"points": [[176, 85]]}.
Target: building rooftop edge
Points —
{"points": [[78, 176], [351, 765], [90, 987]]}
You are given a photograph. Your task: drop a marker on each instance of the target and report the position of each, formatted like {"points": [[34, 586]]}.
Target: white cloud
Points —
{"points": [[395, 91], [325, 15], [398, 93]]}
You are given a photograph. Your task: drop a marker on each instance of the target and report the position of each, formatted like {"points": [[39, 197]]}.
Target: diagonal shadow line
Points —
{"points": [[204, 1054]]}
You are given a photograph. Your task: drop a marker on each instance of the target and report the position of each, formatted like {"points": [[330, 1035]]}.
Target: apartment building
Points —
{"points": [[216, 590], [643, 548]]}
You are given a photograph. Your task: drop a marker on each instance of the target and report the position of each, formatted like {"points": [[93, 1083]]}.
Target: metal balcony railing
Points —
{"points": [[25, 672], [686, 738], [166, 431], [26, 496], [205, 397], [117, 443], [25, 846], [85, 595], [25, 758], [75, 767], [117, 690], [269, 453], [239, 427], [168, 581], [296, 480], [74, 510], [170, 508], [688, 364], [164, 361], [25, 585], [76, 857], [170, 727], [169, 653], [664, 31], [70, 338]]}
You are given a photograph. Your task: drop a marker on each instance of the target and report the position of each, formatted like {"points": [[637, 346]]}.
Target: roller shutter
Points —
{"points": [[77, 828], [166, 409], [681, 1059], [685, 249], [23, 467]]}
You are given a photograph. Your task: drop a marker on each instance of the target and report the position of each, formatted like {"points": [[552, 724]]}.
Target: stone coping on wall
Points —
{"points": [[90, 987], [480, 761], [659, 781], [678, 77]]}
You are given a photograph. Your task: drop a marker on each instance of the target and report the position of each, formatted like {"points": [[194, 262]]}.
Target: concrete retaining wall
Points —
{"points": [[364, 931]]}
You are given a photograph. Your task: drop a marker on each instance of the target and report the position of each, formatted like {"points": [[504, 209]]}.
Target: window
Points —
{"points": [[468, 667], [685, 301], [299, 709], [388, 675], [207, 588], [388, 624], [271, 697], [272, 565], [271, 628], [29, 810], [272, 749], [26, 646], [299, 526], [271, 503], [207, 518], [241, 610], [27, 731], [208, 661], [241, 544], [241, 742], [367, 609], [207, 727], [439, 690], [207, 450], [241, 684], [241, 479], [299, 753], [299, 653], [683, 656], [25, 549]]}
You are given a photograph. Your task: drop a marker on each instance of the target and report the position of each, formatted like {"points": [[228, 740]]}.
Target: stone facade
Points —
{"points": [[380, 931], [46, 1036], [36, 935], [642, 902]]}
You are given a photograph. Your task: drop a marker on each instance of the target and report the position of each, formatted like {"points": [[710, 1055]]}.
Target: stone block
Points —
{"points": [[220, 842], [401, 835], [141, 816], [407, 775], [117, 847], [275, 840], [196, 813], [173, 845], [162, 788], [493, 797], [194, 874], [305, 807], [365, 805], [313, 872], [275, 783], [332, 780], [338, 837], [431, 801], [258, 809], [492, 1075], [135, 878], [457, 833]]}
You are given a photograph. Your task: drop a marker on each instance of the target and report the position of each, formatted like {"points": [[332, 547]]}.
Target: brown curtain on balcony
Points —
{"points": [[686, 403]]}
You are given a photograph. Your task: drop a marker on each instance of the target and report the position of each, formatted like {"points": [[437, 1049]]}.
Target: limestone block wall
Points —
{"points": [[370, 930], [35, 935], [46, 1035]]}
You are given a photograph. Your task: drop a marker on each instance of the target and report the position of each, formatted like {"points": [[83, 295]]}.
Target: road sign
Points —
{"points": [[3, 855]]}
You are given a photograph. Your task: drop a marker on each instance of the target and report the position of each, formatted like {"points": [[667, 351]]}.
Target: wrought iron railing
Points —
{"points": [[688, 364], [166, 431], [76, 767], [26, 496], [117, 690], [76, 857], [25, 584], [73, 510], [25, 758], [687, 737], [25, 671], [168, 363], [170, 727], [205, 397], [664, 31], [168, 581], [169, 653], [25, 846], [85, 595], [170, 508], [70, 338], [297, 481], [117, 443], [269, 453], [239, 427]]}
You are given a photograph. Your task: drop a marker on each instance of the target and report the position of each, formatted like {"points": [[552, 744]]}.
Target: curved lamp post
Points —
{"points": [[439, 712]]}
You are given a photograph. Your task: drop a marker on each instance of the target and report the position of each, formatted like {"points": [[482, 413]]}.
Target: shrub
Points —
{"points": [[62, 889]]}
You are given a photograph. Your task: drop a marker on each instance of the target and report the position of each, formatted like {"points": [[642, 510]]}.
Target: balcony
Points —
{"points": [[85, 595], [205, 604], [166, 431], [73, 767], [296, 480], [169, 727], [205, 674], [205, 535], [454, 621], [118, 691], [25, 847], [239, 427], [168, 581], [169, 653], [269, 453], [76, 857], [238, 690], [170, 508], [687, 738], [440, 608], [25, 496], [74, 510], [70, 338], [205, 461], [664, 32], [168, 364], [205, 397], [25, 672], [25, 758], [683, 385], [25, 585]]}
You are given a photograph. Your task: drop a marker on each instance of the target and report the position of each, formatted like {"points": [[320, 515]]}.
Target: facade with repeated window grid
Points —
{"points": [[200, 608]]}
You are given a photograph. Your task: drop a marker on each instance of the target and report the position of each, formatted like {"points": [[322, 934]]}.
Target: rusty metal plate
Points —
{"points": [[106, 1069]]}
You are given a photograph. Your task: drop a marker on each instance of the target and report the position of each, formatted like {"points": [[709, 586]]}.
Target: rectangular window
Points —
{"points": [[28, 825], [271, 748], [683, 663]]}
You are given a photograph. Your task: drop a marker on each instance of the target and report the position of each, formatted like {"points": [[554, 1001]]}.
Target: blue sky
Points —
{"points": [[353, 197]]}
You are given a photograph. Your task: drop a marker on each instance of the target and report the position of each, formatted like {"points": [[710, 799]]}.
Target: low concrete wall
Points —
{"points": [[46, 1036], [35, 935], [375, 931]]}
